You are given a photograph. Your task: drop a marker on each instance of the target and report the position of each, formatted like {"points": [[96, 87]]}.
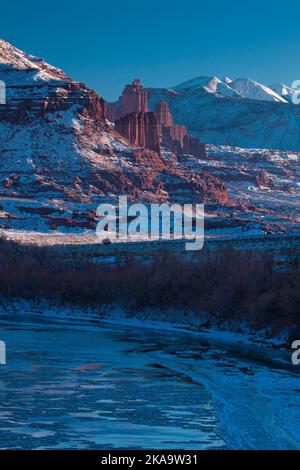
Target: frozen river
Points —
{"points": [[124, 387]]}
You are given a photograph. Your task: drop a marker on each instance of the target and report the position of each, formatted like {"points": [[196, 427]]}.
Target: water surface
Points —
{"points": [[127, 387]]}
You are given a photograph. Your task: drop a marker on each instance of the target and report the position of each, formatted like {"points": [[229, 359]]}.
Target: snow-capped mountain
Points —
{"points": [[239, 113], [239, 88], [283, 90], [227, 80], [253, 90], [209, 84]]}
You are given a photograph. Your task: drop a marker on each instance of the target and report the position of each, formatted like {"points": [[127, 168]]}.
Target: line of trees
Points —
{"points": [[222, 286]]}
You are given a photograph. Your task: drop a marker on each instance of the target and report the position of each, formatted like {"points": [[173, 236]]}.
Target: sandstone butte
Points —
{"points": [[148, 129]]}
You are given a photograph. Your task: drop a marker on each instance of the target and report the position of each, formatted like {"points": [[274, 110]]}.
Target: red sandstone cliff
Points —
{"points": [[165, 118], [150, 130], [175, 135], [140, 129], [193, 146], [132, 118], [55, 144], [133, 100]]}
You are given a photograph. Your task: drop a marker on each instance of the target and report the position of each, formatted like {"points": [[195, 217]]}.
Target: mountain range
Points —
{"points": [[239, 88], [239, 112]]}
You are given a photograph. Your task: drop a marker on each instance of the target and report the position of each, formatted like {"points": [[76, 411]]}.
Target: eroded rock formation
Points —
{"points": [[56, 145], [175, 135], [27, 102], [132, 118], [193, 146], [140, 129], [151, 130], [133, 100], [165, 118]]}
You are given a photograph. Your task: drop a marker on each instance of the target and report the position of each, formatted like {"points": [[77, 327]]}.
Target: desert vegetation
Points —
{"points": [[224, 287]]}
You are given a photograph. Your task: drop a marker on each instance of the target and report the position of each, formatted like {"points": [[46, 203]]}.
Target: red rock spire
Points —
{"points": [[134, 99]]}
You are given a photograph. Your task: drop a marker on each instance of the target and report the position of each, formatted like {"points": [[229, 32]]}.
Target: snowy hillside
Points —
{"points": [[283, 90], [13, 59], [60, 156], [239, 88], [269, 123], [208, 84], [255, 91]]}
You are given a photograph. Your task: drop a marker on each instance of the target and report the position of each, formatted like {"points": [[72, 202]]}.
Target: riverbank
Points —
{"points": [[228, 290], [159, 320]]}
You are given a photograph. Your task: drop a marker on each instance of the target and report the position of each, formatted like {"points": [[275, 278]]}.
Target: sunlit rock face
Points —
{"points": [[133, 121], [141, 129], [134, 99], [132, 118], [59, 151], [164, 115]]}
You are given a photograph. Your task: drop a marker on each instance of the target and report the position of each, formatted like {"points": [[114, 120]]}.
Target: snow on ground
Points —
{"points": [[264, 184]]}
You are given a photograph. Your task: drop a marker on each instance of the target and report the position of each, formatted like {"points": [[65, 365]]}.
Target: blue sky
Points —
{"points": [[164, 42]]}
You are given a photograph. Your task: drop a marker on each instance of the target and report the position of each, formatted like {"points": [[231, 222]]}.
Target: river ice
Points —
{"points": [[127, 387]]}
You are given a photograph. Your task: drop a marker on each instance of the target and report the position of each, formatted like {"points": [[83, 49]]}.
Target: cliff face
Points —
{"points": [[140, 129], [35, 89], [132, 118], [133, 100], [175, 135], [165, 118], [193, 146], [57, 100], [151, 130]]}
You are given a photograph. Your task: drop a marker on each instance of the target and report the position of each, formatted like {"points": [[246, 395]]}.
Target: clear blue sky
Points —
{"points": [[164, 42]]}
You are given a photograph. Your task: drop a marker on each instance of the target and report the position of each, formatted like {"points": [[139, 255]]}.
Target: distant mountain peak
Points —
{"points": [[239, 88], [211, 84], [253, 90], [283, 90], [227, 80]]}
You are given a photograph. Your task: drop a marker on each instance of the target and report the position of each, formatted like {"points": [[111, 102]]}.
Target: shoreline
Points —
{"points": [[77, 318]]}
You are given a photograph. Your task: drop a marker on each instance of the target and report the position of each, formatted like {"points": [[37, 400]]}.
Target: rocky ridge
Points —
{"points": [[59, 151]]}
